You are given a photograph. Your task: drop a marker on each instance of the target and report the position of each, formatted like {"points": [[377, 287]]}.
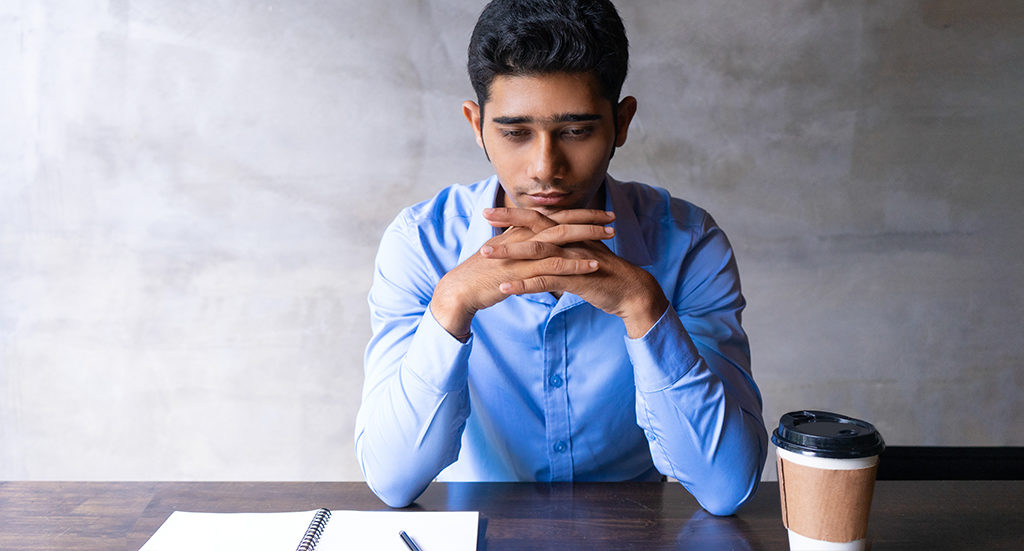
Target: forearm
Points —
{"points": [[702, 419], [716, 450], [411, 434], [414, 408]]}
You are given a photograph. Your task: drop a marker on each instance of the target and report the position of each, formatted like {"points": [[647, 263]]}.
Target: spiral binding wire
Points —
{"points": [[315, 530]]}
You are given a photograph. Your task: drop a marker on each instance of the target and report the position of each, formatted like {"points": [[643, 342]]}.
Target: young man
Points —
{"points": [[551, 323]]}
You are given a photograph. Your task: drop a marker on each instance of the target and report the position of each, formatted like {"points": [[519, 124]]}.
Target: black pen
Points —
{"points": [[408, 541]]}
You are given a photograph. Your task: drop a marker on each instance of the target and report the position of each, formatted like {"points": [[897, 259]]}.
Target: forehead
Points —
{"points": [[545, 95]]}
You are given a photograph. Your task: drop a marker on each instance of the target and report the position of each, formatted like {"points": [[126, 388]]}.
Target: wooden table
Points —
{"points": [[88, 516]]}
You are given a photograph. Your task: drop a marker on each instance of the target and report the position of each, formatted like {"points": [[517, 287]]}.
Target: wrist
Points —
{"points": [[450, 312], [646, 308]]}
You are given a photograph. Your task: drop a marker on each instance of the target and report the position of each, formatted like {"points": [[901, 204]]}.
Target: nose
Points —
{"points": [[547, 161]]}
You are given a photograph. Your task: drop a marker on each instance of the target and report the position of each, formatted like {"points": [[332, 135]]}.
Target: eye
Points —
{"points": [[577, 132], [514, 134]]}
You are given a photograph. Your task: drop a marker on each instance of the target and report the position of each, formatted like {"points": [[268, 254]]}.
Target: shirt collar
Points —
{"points": [[628, 242], [480, 230]]}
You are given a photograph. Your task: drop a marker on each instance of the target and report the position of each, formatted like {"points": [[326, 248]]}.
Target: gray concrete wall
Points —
{"points": [[191, 195]]}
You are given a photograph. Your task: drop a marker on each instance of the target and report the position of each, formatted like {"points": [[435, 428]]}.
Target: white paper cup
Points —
{"points": [[827, 465]]}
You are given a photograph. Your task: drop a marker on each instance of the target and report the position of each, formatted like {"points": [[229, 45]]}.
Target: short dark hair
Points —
{"points": [[528, 37]]}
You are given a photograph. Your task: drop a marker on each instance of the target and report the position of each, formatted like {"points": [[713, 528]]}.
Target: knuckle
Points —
{"points": [[559, 232], [556, 264]]}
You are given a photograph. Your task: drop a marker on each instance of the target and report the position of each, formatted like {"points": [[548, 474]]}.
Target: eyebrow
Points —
{"points": [[563, 117]]}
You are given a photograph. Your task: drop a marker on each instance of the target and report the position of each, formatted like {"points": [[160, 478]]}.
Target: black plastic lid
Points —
{"points": [[824, 434]]}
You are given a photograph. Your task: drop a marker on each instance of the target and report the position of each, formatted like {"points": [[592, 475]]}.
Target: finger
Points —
{"points": [[506, 216], [583, 216], [560, 266], [572, 233], [524, 250], [539, 284]]}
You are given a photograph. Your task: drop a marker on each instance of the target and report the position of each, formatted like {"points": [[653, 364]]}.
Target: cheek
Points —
{"points": [[503, 168], [507, 161], [591, 159]]}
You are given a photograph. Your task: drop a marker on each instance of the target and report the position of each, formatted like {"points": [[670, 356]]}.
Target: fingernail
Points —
{"points": [[609, 230], [486, 249], [505, 287], [593, 264], [610, 213], [488, 210]]}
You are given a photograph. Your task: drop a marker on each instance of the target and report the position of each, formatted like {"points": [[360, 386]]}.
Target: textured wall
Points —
{"points": [[191, 194]]}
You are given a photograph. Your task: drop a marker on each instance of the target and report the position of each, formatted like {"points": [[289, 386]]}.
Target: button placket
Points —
{"points": [[556, 399]]}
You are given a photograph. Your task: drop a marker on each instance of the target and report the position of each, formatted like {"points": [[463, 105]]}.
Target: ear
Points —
{"points": [[627, 108], [472, 113]]}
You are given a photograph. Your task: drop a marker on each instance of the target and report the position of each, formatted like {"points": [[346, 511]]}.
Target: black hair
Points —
{"points": [[529, 37]]}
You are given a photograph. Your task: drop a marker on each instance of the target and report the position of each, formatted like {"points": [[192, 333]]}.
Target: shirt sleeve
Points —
{"points": [[415, 399], [695, 398]]}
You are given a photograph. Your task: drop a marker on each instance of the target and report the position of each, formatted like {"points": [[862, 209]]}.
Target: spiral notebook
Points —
{"points": [[319, 530]]}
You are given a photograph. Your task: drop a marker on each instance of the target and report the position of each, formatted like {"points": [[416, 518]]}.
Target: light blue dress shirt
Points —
{"points": [[553, 389]]}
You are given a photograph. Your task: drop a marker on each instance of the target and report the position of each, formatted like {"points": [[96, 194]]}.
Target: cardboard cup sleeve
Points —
{"points": [[829, 505]]}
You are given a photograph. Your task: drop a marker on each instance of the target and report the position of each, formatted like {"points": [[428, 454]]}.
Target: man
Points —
{"points": [[551, 323]]}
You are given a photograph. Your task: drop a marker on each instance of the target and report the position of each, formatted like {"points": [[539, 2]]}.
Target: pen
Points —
{"points": [[408, 541]]}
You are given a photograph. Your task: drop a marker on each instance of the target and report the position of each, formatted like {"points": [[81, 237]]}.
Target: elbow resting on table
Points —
{"points": [[395, 487], [723, 503], [395, 493], [721, 494], [723, 490], [731, 495]]}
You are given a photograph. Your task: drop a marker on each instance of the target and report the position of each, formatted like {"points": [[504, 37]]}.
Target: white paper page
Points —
{"points": [[226, 531], [378, 530]]}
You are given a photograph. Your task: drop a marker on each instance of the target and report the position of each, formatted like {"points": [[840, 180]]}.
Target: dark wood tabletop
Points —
{"points": [[919, 515]]}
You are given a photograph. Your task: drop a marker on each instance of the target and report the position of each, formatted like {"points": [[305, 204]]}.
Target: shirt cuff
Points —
{"points": [[663, 355], [436, 357]]}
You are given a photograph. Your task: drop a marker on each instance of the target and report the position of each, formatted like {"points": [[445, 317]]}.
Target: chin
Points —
{"points": [[548, 211]]}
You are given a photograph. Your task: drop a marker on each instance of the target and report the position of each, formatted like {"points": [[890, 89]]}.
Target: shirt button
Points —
{"points": [[561, 446], [555, 381]]}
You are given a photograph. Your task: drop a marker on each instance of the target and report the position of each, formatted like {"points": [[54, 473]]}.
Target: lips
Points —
{"points": [[547, 199]]}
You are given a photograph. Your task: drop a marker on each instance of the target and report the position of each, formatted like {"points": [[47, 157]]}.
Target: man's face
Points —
{"points": [[549, 137]]}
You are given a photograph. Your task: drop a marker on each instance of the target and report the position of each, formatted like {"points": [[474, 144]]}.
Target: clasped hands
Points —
{"points": [[563, 251]]}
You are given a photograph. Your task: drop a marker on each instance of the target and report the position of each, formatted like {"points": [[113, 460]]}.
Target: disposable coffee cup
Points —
{"points": [[827, 464]]}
